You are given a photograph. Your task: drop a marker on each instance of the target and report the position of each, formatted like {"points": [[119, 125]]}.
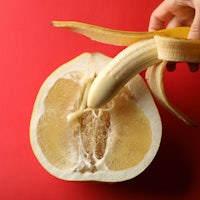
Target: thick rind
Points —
{"points": [[93, 64]]}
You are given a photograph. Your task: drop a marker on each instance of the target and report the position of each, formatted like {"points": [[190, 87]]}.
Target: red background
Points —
{"points": [[30, 49]]}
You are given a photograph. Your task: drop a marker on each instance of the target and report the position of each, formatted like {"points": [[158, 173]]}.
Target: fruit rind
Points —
{"points": [[144, 101]]}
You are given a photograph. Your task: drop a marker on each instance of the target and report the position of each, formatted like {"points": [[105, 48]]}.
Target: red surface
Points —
{"points": [[30, 49]]}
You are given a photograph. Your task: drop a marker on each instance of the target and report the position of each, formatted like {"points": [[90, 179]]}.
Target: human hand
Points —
{"points": [[173, 13]]}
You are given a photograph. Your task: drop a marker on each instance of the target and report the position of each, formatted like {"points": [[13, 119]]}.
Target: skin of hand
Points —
{"points": [[173, 13]]}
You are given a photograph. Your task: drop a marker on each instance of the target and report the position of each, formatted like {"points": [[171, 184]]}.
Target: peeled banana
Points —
{"points": [[150, 50], [129, 62]]}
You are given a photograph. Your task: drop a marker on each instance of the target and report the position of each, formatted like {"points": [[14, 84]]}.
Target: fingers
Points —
{"points": [[171, 66], [195, 34], [159, 17], [194, 67], [174, 22], [195, 27], [175, 13]]}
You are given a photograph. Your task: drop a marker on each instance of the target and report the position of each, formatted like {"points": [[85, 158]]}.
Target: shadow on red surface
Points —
{"points": [[171, 174]]}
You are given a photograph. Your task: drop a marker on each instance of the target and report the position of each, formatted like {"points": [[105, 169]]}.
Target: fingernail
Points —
{"points": [[171, 66], [194, 67]]}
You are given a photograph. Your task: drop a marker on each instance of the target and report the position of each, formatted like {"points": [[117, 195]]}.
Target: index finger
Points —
{"points": [[159, 17]]}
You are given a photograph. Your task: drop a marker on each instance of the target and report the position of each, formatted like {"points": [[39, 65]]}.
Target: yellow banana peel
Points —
{"points": [[118, 37], [154, 76]]}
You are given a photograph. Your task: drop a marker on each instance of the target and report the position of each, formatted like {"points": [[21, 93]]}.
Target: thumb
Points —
{"points": [[195, 28]]}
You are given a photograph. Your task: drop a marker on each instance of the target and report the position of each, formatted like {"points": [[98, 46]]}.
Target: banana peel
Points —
{"points": [[146, 50], [118, 37], [154, 76]]}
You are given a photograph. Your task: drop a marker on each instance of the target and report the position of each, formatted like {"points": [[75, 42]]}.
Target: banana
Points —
{"points": [[145, 49], [178, 50], [129, 62], [136, 58]]}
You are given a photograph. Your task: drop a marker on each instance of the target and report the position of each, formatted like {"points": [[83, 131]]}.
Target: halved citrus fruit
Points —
{"points": [[111, 144]]}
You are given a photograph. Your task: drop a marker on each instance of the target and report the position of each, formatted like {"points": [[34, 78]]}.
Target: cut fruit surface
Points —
{"points": [[113, 143]]}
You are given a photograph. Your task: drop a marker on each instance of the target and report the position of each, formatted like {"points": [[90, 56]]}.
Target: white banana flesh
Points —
{"points": [[178, 50], [129, 62], [144, 50]]}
